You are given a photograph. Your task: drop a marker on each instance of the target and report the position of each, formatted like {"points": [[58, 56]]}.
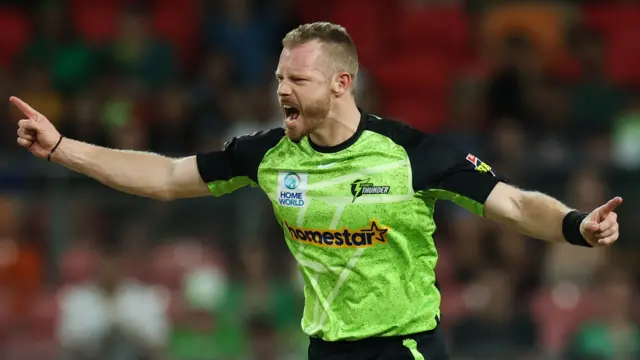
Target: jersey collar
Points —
{"points": [[350, 141]]}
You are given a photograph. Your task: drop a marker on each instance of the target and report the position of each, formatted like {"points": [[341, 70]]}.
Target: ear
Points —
{"points": [[342, 83]]}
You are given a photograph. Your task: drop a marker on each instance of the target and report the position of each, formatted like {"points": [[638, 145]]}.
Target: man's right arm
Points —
{"points": [[146, 174], [134, 172]]}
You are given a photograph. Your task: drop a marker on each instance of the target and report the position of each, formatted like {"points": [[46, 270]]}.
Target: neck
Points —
{"points": [[340, 125]]}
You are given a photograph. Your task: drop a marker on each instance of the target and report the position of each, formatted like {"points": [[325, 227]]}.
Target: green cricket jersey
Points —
{"points": [[358, 217]]}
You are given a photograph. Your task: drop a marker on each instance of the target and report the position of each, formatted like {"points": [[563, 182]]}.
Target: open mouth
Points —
{"points": [[291, 113]]}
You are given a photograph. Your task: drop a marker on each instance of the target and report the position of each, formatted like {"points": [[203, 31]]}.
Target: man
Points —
{"points": [[354, 194]]}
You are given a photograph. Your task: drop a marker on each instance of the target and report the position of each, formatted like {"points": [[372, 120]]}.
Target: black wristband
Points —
{"points": [[571, 228], [54, 148]]}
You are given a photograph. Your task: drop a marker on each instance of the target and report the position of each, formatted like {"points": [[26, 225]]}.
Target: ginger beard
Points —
{"points": [[302, 120]]}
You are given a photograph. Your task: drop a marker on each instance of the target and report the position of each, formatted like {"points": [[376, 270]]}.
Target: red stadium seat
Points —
{"points": [[426, 73], [365, 21], [442, 29], [621, 27], [96, 21], [179, 24], [416, 88], [313, 10], [15, 34], [421, 113]]}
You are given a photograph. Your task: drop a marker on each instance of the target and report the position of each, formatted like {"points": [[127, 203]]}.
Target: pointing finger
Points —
{"points": [[24, 107], [610, 206]]}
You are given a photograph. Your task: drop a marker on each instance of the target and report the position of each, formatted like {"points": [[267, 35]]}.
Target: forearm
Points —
{"points": [[540, 216], [139, 173]]}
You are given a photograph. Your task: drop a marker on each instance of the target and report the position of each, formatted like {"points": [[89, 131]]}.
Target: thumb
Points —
{"points": [[29, 124], [591, 225]]}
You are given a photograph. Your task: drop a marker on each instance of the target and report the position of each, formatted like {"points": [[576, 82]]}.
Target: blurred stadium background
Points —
{"points": [[546, 91]]}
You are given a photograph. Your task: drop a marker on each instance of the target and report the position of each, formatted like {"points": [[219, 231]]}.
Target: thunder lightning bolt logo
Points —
{"points": [[357, 186]]}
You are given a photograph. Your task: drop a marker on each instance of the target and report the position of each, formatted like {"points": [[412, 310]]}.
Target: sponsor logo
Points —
{"points": [[479, 165], [364, 187], [291, 181], [292, 189], [373, 234]]}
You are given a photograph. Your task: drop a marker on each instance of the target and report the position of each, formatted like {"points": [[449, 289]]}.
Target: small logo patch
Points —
{"points": [[292, 189], [364, 187], [479, 165]]}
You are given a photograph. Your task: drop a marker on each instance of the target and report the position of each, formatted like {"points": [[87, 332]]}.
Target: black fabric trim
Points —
{"points": [[240, 157], [350, 141]]}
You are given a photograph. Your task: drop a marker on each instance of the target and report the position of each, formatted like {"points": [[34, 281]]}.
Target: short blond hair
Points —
{"points": [[340, 48]]}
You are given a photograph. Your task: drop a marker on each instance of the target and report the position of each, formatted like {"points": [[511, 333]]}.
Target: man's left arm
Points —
{"points": [[540, 216], [454, 175]]}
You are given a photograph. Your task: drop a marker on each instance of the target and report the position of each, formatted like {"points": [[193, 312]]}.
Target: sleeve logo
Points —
{"points": [[479, 165]]}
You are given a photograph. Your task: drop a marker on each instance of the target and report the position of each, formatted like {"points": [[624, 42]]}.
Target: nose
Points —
{"points": [[284, 89]]}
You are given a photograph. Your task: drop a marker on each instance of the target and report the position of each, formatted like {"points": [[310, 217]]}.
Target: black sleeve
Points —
{"points": [[240, 157], [438, 165]]}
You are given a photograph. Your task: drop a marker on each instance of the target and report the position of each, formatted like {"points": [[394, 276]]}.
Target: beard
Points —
{"points": [[311, 117]]}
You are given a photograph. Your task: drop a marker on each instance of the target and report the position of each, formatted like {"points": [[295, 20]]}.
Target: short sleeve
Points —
{"points": [[439, 169], [236, 165], [442, 170]]}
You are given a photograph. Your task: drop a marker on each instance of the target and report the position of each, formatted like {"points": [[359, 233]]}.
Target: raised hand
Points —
{"points": [[35, 133], [600, 227]]}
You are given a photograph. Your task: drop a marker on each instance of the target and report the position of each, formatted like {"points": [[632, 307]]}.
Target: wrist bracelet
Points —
{"points": [[571, 228], [54, 148]]}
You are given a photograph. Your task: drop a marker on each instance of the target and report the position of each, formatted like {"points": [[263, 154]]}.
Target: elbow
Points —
{"points": [[168, 189], [164, 196], [519, 207], [506, 205]]}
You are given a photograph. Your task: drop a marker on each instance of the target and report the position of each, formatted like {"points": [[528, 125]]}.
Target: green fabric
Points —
{"points": [[222, 187], [228, 338], [626, 147], [153, 64], [412, 345], [360, 233], [226, 342], [597, 341], [469, 204], [117, 113], [71, 66], [388, 284]]}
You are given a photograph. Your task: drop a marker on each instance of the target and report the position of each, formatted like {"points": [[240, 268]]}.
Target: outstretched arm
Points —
{"points": [[543, 217], [442, 171], [139, 173], [146, 174], [134, 172]]}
